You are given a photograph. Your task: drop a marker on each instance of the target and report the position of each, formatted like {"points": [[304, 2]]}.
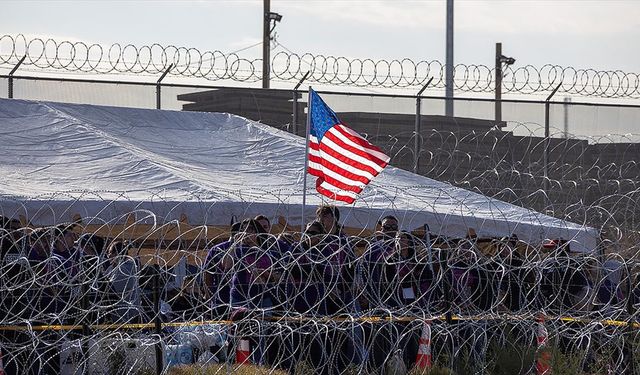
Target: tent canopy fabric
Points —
{"points": [[103, 162]]}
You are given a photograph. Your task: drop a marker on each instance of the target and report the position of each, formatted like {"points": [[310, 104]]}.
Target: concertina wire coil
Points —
{"points": [[96, 297], [188, 62]]}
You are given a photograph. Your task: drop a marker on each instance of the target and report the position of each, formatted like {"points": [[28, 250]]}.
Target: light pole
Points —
{"points": [[448, 106]]}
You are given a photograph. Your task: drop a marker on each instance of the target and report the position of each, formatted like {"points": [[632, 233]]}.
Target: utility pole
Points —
{"points": [[267, 29], [266, 44], [500, 59], [448, 107]]}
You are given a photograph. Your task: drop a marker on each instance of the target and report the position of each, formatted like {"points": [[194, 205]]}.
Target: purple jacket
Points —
{"points": [[251, 276]]}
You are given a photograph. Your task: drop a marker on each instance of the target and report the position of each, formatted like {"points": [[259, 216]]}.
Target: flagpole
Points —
{"points": [[306, 161]]}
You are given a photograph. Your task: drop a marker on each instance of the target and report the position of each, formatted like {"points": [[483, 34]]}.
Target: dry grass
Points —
{"points": [[433, 371], [220, 369]]}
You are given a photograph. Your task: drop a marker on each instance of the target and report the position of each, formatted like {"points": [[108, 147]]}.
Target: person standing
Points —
{"points": [[125, 286], [376, 294], [67, 260], [218, 268]]}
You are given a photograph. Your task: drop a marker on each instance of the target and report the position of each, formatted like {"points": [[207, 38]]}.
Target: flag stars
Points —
{"points": [[322, 117]]}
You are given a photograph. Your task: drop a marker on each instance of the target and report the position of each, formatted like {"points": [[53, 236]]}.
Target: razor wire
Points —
{"points": [[595, 180], [83, 297], [189, 62], [139, 291], [94, 58], [477, 78]]}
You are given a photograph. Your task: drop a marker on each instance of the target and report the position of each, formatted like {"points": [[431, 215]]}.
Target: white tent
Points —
{"points": [[102, 162]]}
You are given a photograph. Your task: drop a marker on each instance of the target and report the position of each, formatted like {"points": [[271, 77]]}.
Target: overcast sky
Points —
{"points": [[602, 35], [584, 34]]}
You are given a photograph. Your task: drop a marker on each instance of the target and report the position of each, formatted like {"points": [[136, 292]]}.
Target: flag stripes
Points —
{"points": [[343, 161]]}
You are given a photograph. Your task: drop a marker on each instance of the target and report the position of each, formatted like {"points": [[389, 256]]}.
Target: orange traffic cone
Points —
{"points": [[242, 352], [543, 364], [423, 359]]}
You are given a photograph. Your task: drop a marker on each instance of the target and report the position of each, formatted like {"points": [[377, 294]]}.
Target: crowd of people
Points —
{"points": [[56, 275], [321, 272]]}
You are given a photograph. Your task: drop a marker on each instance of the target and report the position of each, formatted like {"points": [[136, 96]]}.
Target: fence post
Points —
{"points": [[498, 87], [567, 102], [416, 146], [156, 319], [630, 310], [86, 330], [158, 105], [11, 75], [294, 128], [447, 279], [547, 106]]}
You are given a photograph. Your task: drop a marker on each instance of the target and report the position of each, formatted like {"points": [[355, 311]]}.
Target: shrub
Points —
{"points": [[510, 358], [566, 363]]}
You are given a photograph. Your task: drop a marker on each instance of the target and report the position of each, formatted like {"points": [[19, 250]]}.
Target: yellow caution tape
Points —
{"points": [[366, 319]]}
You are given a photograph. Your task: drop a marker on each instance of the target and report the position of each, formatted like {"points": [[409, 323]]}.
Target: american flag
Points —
{"points": [[343, 161]]}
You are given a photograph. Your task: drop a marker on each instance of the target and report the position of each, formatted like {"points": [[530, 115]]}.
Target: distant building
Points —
{"points": [[472, 153]]}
